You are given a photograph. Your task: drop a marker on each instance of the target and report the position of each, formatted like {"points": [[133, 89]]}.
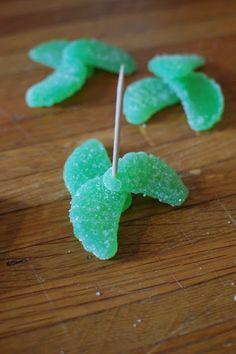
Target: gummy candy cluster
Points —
{"points": [[176, 81], [98, 199], [73, 63]]}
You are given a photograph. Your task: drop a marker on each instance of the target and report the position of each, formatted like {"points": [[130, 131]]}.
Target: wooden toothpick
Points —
{"points": [[119, 96]]}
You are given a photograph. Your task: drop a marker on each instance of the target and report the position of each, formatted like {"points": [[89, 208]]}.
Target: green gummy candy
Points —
{"points": [[87, 161], [98, 199], [145, 97], [147, 174], [174, 65], [49, 53], [95, 213], [128, 202], [100, 55], [63, 83], [202, 100]]}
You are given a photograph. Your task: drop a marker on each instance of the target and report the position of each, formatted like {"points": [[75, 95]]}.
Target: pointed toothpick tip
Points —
{"points": [[119, 97]]}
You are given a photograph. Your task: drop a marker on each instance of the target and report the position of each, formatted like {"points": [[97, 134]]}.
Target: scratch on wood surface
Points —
{"points": [[175, 331], [186, 237], [22, 130], [227, 212], [106, 333], [146, 136], [180, 285], [13, 119], [47, 296], [182, 326]]}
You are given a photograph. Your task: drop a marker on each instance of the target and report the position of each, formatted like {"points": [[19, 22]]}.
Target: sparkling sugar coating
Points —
{"points": [[145, 97], [95, 213], [100, 55], [98, 199], [87, 161], [147, 174], [58, 86], [49, 53], [202, 100], [74, 62], [174, 65]]}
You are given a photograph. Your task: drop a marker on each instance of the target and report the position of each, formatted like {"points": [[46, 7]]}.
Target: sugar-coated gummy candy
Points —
{"points": [[95, 214], [128, 202], [87, 161], [58, 86], [202, 100], [149, 175], [145, 97], [201, 97], [49, 53], [74, 62], [174, 65], [98, 199], [100, 55]]}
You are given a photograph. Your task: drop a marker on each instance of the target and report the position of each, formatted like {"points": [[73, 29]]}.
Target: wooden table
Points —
{"points": [[171, 287]]}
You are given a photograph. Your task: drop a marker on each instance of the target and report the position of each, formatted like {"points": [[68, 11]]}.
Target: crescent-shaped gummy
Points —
{"points": [[100, 55], [86, 162], [63, 83], [147, 174], [145, 97], [95, 214], [201, 98], [49, 53], [170, 66]]}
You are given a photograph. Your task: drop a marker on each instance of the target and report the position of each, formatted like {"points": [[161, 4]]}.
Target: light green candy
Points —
{"points": [[87, 161], [100, 55], [174, 65], [202, 100], [63, 83], [95, 213], [73, 63], [86, 164], [98, 202], [149, 175], [145, 97], [201, 97], [49, 53]]}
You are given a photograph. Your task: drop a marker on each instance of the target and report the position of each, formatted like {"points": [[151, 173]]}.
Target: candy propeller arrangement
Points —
{"points": [[73, 63], [176, 81], [101, 192]]}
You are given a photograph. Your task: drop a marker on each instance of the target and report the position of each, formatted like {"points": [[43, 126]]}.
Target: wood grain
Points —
{"points": [[171, 287]]}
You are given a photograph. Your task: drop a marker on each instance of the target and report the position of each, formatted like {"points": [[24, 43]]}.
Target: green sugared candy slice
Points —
{"points": [[63, 83], [202, 100], [145, 97], [86, 162], [98, 199], [49, 53], [73, 63], [95, 213], [147, 174], [100, 55], [128, 202], [174, 65]]}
